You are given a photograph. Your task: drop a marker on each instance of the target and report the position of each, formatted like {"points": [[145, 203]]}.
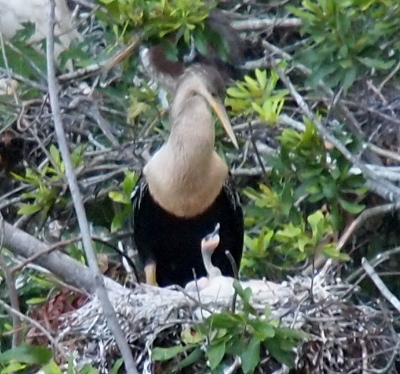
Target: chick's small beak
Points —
{"points": [[211, 241], [210, 244]]}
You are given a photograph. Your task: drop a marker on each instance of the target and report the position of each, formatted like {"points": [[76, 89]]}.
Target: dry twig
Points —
{"points": [[389, 296], [97, 280]]}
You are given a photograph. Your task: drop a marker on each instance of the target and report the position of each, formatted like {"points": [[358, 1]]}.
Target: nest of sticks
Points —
{"points": [[342, 335]]}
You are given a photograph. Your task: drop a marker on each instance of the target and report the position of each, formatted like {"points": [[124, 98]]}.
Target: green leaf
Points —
{"points": [[29, 209], [280, 355], [376, 63], [316, 221], [351, 207], [165, 354], [52, 368], [200, 41], [289, 232], [70, 368], [332, 252], [190, 359], [88, 369], [118, 364], [329, 188], [235, 346], [245, 295], [117, 222], [237, 93], [36, 300], [28, 354], [118, 197], [349, 78], [12, 368], [289, 333], [261, 77], [262, 329], [129, 183], [251, 356], [55, 154], [225, 320], [215, 354]]}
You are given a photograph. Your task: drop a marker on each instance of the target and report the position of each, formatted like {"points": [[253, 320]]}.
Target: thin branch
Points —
{"points": [[380, 285], [378, 259], [22, 244], [384, 152], [390, 76], [260, 24], [364, 216], [47, 250], [98, 279]]}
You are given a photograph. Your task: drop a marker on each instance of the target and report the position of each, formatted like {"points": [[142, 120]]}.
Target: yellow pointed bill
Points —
{"points": [[223, 117]]}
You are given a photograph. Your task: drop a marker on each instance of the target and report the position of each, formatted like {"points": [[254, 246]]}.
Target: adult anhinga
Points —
{"points": [[185, 189]]}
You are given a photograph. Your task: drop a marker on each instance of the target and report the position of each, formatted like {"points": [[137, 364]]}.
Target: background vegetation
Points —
{"points": [[316, 114]]}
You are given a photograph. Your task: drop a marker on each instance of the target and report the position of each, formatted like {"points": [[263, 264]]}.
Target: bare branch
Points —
{"points": [[98, 280], [260, 24], [365, 215], [22, 244], [380, 285]]}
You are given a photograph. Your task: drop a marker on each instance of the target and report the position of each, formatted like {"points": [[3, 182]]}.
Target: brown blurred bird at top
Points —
{"points": [[166, 72]]}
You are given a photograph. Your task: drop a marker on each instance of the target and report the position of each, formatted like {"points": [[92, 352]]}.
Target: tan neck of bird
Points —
{"points": [[186, 175]]}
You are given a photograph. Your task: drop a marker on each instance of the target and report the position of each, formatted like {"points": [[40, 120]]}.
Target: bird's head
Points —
{"points": [[206, 82], [210, 242]]}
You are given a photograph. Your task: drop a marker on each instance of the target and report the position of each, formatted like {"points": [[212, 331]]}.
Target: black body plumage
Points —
{"points": [[173, 243]]}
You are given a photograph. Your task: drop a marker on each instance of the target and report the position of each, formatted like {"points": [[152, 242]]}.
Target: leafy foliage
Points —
{"points": [[29, 357], [123, 197], [159, 18], [46, 193], [177, 24], [257, 96], [143, 104], [231, 334], [22, 357], [346, 37], [305, 174]]}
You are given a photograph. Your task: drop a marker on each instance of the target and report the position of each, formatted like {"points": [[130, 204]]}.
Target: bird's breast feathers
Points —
{"points": [[181, 191]]}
